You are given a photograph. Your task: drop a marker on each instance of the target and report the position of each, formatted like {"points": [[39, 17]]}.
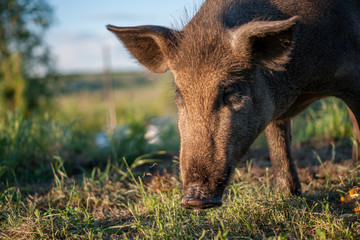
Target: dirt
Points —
{"points": [[316, 159], [312, 158]]}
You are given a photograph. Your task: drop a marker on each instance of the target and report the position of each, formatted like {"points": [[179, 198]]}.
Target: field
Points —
{"points": [[102, 164]]}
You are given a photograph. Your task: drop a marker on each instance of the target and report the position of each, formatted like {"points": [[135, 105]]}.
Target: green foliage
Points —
{"points": [[130, 140], [28, 146], [327, 118], [13, 84], [138, 104], [26, 67], [22, 27]]}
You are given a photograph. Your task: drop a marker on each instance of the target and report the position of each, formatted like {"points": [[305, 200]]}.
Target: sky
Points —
{"points": [[79, 36]]}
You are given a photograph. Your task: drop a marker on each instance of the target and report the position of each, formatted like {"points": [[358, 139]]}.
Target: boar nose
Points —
{"points": [[194, 198], [193, 203]]}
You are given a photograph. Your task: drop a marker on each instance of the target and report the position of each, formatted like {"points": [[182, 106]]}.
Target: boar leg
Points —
{"points": [[356, 143], [278, 136]]}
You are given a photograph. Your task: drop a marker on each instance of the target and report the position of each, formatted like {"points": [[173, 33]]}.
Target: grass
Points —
{"points": [[100, 206], [327, 118], [143, 98], [69, 130], [28, 146]]}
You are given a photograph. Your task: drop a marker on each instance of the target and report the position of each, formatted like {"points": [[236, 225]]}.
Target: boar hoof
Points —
{"points": [[193, 203]]}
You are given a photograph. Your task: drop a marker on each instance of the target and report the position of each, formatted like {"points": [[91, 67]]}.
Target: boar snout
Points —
{"points": [[194, 198], [191, 203]]}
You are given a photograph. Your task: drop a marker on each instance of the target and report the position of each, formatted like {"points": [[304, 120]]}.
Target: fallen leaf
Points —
{"points": [[352, 191]]}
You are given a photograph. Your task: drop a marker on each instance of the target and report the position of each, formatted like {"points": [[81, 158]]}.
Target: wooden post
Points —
{"points": [[108, 90]]}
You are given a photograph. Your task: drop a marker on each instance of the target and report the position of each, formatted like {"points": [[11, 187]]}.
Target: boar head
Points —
{"points": [[222, 92]]}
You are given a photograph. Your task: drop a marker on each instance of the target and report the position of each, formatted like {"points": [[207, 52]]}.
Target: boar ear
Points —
{"points": [[150, 45], [265, 43]]}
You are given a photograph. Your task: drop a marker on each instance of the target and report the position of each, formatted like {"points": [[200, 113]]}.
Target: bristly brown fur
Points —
{"points": [[210, 46]]}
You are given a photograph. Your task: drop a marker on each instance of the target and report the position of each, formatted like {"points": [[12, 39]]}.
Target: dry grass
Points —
{"points": [[100, 206]]}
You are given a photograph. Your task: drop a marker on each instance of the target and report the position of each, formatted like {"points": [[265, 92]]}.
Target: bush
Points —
{"points": [[28, 145], [328, 118]]}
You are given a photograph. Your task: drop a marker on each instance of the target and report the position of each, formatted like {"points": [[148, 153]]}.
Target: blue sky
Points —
{"points": [[79, 36]]}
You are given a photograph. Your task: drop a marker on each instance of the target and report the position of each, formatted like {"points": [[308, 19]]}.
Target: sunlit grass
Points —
{"points": [[99, 205], [327, 118], [29, 144]]}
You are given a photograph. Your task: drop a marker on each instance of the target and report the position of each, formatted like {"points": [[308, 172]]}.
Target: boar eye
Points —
{"points": [[232, 96]]}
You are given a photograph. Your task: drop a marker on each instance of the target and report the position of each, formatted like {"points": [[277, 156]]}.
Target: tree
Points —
{"points": [[26, 68], [13, 84]]}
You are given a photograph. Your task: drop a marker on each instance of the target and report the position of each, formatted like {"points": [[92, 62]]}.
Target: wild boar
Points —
{"points": [[242, 67]]}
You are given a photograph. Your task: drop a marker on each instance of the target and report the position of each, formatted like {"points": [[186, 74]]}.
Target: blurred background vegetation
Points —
{"points": [[27, 76], [90, 119]]}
